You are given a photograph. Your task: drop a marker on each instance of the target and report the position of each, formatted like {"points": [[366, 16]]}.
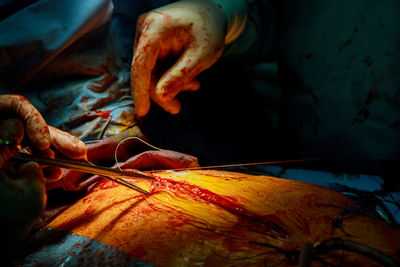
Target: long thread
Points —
{"points": [[129, 138], [204, 167], [241, 164]]}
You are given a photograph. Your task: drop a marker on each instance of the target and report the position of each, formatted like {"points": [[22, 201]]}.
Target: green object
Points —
{"points": [[5, 142]]}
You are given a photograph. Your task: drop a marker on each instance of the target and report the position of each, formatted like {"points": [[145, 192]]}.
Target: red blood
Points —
{"points": [[265, 223], [104, 114], [107, 184], [202, 193], [139, 252]]}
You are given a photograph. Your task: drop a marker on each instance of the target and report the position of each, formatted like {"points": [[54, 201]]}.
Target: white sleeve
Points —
{"points": [[257, 40], [236, 17]]}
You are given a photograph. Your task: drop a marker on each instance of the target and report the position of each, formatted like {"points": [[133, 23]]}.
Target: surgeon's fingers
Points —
{"points": [[145, 58], [32, 173], [173, 106], [36, 126], [23, 198], [194, 85], [67, 144], [50, 172], [190, 64], [11, 130], [30, 179]]}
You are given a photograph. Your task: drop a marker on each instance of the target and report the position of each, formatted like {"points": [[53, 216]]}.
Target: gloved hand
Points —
{"points": [[22, 188], [194, 31], [40, 135]]}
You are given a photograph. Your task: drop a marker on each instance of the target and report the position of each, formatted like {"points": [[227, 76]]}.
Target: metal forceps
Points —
{"points": [[114, 175]]}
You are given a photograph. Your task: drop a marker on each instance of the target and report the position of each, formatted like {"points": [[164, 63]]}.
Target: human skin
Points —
{"points": [[217, 218]]}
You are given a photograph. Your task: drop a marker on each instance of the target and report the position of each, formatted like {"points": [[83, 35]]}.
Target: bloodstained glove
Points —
{"points": [[22, 188], [40, 135], [194, 32]]}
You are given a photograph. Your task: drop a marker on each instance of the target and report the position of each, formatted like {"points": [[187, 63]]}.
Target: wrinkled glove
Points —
{"points": [[40, 135], [195, 32], [22, 188]]}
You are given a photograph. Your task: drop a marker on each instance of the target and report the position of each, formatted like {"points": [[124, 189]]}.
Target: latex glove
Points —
{"points": [[22, 188], [194, 31], [40, 135]]}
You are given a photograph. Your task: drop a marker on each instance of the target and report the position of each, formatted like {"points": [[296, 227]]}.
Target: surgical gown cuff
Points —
{"points": [[236, 16]]}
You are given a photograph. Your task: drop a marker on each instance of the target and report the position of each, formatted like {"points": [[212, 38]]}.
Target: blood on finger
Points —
{"points": [[67, 144]]}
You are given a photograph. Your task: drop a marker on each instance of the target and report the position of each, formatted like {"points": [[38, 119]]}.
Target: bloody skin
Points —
{"points": [[267, 224], [184, 222]]}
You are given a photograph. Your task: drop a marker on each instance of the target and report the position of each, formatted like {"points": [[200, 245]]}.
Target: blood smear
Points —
{"points": [[104, 114]]}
